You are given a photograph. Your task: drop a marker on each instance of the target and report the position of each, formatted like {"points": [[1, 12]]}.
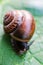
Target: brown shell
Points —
{"points": [[19, 24]]}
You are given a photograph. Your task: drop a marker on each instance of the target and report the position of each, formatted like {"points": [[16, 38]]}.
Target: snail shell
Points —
{"points": [[19, 24]]}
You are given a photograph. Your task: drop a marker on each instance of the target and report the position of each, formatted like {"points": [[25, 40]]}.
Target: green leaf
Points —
{"points": [[34, 56]]}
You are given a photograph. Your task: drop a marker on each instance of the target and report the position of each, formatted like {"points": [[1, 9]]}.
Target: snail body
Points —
{"points": [[20, 25]]}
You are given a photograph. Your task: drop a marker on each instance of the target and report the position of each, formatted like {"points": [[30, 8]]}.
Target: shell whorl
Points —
{"points": [[12, 20]]}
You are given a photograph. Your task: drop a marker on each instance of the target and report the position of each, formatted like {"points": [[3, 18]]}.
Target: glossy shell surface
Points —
{"points": [[19, 24]]}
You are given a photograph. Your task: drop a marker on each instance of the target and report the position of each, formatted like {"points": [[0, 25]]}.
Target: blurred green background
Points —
{"points": [[34, 55]]}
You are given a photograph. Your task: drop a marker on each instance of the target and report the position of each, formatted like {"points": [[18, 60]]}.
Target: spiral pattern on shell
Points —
{"points": [[11, 21], [22, 21]]}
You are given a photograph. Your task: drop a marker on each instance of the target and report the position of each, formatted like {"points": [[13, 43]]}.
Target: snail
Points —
{"points": [[20, 25]]}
